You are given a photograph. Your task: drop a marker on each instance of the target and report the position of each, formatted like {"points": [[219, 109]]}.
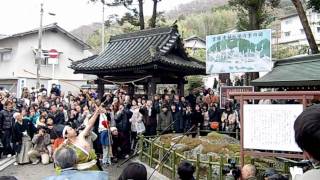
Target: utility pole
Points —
{"points": [[39, 53], [102, 29]]}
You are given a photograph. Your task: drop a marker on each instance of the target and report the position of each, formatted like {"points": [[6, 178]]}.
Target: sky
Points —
{"points": [[23, 15]]}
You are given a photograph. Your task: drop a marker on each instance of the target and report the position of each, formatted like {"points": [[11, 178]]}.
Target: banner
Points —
{"points": [[225, 90], [248, 51]]}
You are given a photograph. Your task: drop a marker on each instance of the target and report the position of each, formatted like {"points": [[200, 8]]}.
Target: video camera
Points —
{"points": [[232, 169], [306, 165]]}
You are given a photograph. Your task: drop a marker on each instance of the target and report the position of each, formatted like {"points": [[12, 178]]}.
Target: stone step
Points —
{"points": [[4, 163]]}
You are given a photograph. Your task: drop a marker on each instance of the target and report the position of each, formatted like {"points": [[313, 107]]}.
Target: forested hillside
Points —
{"points": [[199, 17]]}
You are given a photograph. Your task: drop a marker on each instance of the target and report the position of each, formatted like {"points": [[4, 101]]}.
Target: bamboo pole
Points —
{"points": [[198, 167], [210, 169], [173, 164], [141, 146]]}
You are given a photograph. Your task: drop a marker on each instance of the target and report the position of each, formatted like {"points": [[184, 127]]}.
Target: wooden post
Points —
{"points": [[210, 168], [173, 164], [150, 153], [221, 168], [100, 88], [198, 167], [151, 88], [141, 147], [131, 90], [241, 133], [161, 154], [180, 86]]}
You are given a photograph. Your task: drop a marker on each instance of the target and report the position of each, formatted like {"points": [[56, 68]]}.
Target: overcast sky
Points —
{"points": [[22, 15]]}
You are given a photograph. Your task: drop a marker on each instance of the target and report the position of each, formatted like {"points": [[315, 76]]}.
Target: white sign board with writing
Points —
{"points": [[270, 127]]}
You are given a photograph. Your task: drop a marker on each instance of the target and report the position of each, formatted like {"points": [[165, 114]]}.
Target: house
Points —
{"points": [[292, 32], [18, 66], [195, 42]]}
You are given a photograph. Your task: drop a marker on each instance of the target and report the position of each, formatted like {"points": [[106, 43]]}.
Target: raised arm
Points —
{"points": [[90, 123]]}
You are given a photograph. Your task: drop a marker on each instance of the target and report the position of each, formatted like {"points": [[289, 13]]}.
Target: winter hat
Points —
{"points": [[113, 129]]}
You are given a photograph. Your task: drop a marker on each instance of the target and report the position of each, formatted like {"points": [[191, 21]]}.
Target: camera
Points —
{"points": [[232, 169]]}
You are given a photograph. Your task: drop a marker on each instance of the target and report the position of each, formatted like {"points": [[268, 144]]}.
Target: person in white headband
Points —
{"points": [[85, 154]]}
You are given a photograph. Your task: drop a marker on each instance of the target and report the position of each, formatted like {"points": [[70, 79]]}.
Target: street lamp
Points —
{"points": [[39, 52]]}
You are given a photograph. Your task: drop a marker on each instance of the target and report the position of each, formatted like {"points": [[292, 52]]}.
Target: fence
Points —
{"points": [[153, 152]]}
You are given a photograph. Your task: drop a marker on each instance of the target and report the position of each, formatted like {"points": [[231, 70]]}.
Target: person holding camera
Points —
{"points": [[307, 136], [40, 151]]}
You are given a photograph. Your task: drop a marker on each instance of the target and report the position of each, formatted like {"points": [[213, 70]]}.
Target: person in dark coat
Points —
{"points": [[55, 90], [186, 170], [191, 98], [214, 114], [123, 125], [23, 132], [177, 119], [165, 119], [150, 119], [57, 116], [6, 128], [187, 118], [196, 119]]}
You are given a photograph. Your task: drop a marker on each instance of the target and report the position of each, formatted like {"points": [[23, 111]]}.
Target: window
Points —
{"points": [[5, 54], [44, 57], [287, 34], [318, 30], [288, 21], [302, 31]]}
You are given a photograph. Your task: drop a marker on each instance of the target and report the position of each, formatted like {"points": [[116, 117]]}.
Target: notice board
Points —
{"points": [[270, 126]]}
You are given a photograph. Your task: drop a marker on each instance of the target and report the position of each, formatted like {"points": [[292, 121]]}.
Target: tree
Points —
{"points": [[141, 16], [130, 16], [314, 4], [153, 19], [254, 15], [306, 26]]}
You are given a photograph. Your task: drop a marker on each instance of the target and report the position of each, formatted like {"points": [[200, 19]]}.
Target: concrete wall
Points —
{"points": [[293, 27]]}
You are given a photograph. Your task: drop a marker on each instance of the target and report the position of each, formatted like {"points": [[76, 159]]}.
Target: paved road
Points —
{"points": [[38, 172]]}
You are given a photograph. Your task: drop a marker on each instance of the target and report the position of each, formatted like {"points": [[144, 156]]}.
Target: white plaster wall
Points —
{"points": [[194, 44], [7, 68], [23, 58], [294, 26]]}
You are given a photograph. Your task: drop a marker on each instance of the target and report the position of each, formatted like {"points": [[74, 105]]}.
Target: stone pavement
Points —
{"points": [[39, 171]]}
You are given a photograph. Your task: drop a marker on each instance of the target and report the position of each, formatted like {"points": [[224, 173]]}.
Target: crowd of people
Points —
{"points": [[34, 125], [40, 125]]}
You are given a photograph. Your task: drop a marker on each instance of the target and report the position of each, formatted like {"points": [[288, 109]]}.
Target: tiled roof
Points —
{"points": [[53, 27], [139, 49], [297, 71]]}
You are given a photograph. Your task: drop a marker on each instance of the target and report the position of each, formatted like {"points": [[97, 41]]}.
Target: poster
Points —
{"points": [[248, 51], [270, 126], [225, 90]]}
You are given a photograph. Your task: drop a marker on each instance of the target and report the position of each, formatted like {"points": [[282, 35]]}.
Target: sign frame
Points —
{"points": [[284, 95], [223, 98]]}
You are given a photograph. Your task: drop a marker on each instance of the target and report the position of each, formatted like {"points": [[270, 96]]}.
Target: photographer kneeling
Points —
{"points": [[307, 136]]}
